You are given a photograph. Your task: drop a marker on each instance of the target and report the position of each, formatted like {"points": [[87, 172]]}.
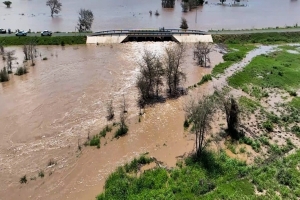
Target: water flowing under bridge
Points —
{"points": [[176, 35]]}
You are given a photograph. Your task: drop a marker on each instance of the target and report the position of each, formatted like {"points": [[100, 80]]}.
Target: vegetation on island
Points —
{"points": [[260, 38]]}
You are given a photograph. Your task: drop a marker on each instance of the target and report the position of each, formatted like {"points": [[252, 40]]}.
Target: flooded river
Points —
{"points": [[134, 14], [45, 113]]}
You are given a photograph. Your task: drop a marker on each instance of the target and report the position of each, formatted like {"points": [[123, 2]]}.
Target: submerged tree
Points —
{"points": [[29, 51], [85, 20], [222, 1], [150, 80], [2, 52], [173, 67], [201, 53], [9, 57], [110, 110], [184, 24], [7, 3], [123, 129], [55, 6], [4, 75], [200, 113]]}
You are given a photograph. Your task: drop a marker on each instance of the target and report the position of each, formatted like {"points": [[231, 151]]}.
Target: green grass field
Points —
{"points": [[262, 38], [277, 70], [236, 53], [59, 40], [214, 176]]}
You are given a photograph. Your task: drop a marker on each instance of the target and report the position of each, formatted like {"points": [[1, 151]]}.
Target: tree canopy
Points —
{"points": [[85, 20]]}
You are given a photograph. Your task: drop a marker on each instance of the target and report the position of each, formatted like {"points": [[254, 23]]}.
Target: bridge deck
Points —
{"points": [[176, 35]]}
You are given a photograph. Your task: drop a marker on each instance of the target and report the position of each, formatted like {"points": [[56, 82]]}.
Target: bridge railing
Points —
{"points": [[148, 32]]}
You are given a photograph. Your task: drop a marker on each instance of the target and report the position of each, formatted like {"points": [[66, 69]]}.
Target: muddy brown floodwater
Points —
{"points": [[134, 14], [45, 113]]}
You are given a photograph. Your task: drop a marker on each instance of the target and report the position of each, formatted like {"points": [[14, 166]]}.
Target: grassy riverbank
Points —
{"points": [[214, 176], [58, 40], [262, 38]]}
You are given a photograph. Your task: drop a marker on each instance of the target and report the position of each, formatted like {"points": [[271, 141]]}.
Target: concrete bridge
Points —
{"points": [[121, 36]]}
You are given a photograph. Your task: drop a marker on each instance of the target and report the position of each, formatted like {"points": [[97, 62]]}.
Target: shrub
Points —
{"points": [[45, 58], [233, 56], [186, 123], [284, 177], [52, 162], [108, 128], [242, 150], [264, 140], [103, 133], [121, 131], [268, 126], [23, 179], [95, 141], [21, 70], [205, 79], [62, 43], [293, 93], [134, 165], [296, 129], [273, 118], [41, 174]]}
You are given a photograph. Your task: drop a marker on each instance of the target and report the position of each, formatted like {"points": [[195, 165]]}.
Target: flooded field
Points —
{"points": [[134, 14], [45, 113]]}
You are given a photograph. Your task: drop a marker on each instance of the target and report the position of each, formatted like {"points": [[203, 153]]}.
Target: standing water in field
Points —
{"points": [[134, 14]]}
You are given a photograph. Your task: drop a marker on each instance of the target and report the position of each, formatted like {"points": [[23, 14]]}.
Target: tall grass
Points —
{"points": [[277, 70], [213, 176], [59, 40], [263, 38]]}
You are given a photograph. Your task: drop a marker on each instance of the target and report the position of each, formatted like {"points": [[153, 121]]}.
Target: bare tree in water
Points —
{"points": [[173, 67], [110, 110], [150, 80], [9, 57], [29, 51], [201, 53], [55, 6]]}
